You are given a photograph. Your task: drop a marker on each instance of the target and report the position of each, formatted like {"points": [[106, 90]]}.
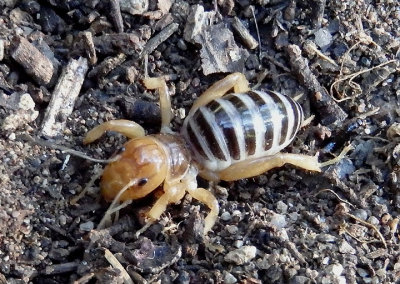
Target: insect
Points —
{"points": [[225, 136]]}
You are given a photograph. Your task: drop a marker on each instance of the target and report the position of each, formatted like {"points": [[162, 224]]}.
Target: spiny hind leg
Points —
{"points": [[126, 127], [237, 81], [165, 100], [255, 167]]}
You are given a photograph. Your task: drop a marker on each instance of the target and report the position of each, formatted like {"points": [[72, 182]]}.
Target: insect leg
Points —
{"points": [[255, 167], [237, 81], [206, 197], [165, 100], [126, 127]]}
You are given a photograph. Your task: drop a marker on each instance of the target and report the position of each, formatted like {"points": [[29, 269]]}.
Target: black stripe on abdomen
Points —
{"points": [[225, 123], [283, 111], [247, 123], [209, 137]]}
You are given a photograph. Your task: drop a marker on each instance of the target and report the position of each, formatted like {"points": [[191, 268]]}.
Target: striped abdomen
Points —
{"points": [[237, 127]]}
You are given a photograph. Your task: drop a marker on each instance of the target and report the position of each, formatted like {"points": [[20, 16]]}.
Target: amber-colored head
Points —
{"points": [[143, 161]]}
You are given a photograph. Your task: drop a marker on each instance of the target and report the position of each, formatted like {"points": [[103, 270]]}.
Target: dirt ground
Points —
{"points": [[66, 66]]}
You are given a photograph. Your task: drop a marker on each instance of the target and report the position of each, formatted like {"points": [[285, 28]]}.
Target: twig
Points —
{"points": [[64, 96], [351, 77], [116, 264], [244, 34], [34, 62], [369, 225], [334, 193], [328, 109], [89, 47], [155, 41], [116, 15]]}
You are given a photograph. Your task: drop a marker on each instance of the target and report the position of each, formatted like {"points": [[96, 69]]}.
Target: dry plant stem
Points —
{"points": [[323, 56], [244, 34], [337, 196], [155, 41], [89, 47], [116, 264], [63, 98], [258, 32], [369, 225], [116, 16], [105, 67], [84, 279], [351, 77], [327, 108]]}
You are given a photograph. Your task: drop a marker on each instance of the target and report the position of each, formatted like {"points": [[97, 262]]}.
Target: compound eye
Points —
{"points": [[142, 181]]}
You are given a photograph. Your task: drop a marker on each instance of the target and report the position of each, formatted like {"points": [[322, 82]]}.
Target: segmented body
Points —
{"points": [[238, 127]]}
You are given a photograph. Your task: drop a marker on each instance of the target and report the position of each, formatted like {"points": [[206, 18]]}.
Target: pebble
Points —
{"points": [[300, 280], [373, 220], [323, 38], [281, 207], [361, 213], [229, 278], [232, 229], [326, 238], [238, 244], [134, 7], [279, 221], [345, 247], [242, 255], [334, 269], [87, 226], [226, 216], [62, 220]]}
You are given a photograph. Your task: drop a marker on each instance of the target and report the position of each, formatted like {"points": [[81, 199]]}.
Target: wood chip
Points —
{"points": [[244, 34], [64, 96], [155, 41], [328, 110], [34, 62]]}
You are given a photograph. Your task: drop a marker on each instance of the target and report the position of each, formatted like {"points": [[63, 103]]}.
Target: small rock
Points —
{"points": [[362, 272], [134, 7], [226, 216], [300, 280], [238, 244], [281, 207], [279, 221], [232, 229], [335, 269], [326, 238], [373, 220], [87, 226], [361, 213], [242, 255], [345, 247], [323, 38], [229, 278]]}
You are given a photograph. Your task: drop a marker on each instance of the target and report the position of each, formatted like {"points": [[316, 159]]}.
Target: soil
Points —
{"points": [[340, 59]]}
